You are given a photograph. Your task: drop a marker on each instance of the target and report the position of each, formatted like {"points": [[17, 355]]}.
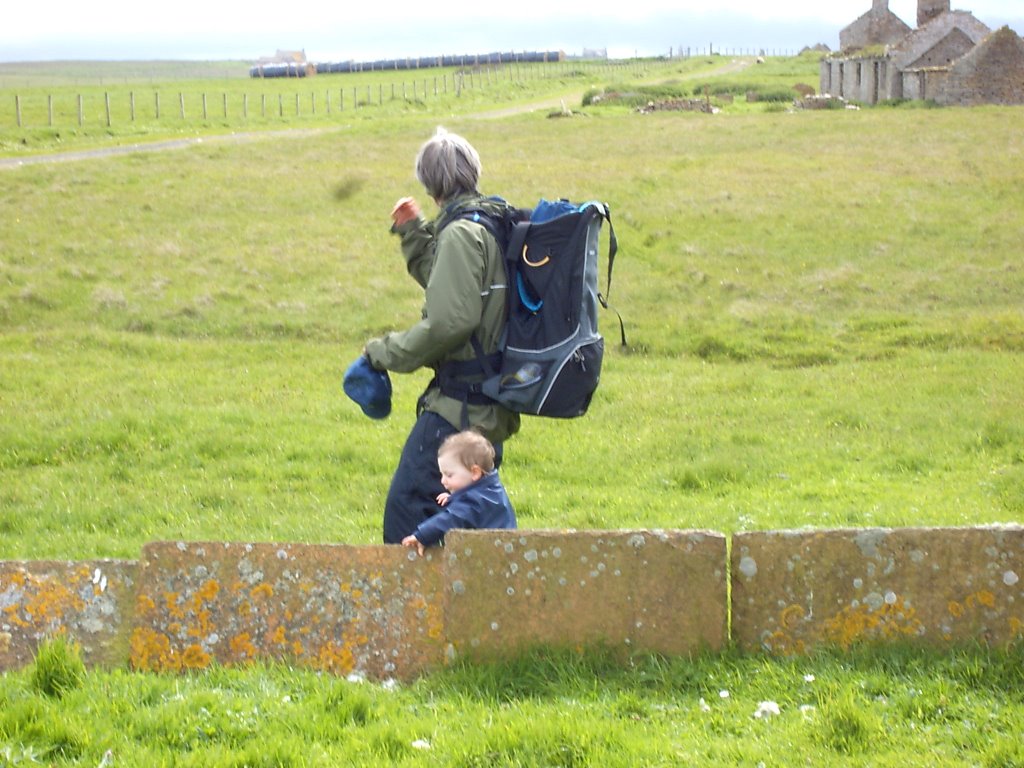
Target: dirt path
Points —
{"points": [[155, 146]]}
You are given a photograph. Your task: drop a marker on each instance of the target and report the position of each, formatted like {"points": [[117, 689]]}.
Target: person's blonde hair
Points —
{"points": [[470, 449], [448, 166]]}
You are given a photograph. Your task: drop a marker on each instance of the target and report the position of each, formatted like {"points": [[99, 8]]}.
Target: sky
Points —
{"points": [[362, 30]]}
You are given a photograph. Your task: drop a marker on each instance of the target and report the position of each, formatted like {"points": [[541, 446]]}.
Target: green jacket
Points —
{"points": [[463, 276]]}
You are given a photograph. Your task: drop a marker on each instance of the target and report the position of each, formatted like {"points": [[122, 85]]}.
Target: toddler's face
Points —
{"points": [[454, 476]]}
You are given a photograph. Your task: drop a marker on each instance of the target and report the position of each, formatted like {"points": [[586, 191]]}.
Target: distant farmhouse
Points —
{"points": [[283, 64], [950, 58]]}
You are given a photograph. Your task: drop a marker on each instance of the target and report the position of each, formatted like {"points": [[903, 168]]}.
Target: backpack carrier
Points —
{"points": [[549, 359]]}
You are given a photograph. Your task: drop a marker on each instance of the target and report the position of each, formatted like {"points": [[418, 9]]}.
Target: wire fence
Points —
{"points": [[324, 94]]}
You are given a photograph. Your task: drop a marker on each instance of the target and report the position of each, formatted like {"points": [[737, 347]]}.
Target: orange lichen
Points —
{"points": [[893, 619], [263, 591], [334, 658], [783, 644], [985, 598], [174, 608], [208, 591], [791, 616], [194, 657], [972, 612], [45, 601], [151, 651], [242, 647], [144, 605]]}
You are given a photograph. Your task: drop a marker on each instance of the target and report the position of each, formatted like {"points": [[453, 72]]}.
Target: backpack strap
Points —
{"points": [[451, 379], [605, 213]]}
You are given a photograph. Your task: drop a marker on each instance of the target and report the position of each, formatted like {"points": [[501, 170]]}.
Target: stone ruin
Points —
{"points": [[951, 58]]}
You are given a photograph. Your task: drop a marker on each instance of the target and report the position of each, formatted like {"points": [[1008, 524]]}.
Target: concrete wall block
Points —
{"points": [[88, 602], [793, 590], [642, 590], [375, 611]]}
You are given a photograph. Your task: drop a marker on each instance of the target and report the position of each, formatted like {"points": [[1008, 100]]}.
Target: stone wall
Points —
{"points": [[794, 590], [382, 611], [88, 600], [864, 79], [991, 74]]}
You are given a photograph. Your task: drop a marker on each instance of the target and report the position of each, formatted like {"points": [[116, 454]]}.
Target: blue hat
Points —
{"points": [[370, 388]]}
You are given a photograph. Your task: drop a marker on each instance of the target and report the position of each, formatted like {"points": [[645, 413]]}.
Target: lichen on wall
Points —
{"points": [[85, 601], [342, 609], [793, 591]]}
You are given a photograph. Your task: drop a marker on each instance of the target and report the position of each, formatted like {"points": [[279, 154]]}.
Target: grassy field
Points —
{"points": [[68, 105], [897, 708], [824, 325]]}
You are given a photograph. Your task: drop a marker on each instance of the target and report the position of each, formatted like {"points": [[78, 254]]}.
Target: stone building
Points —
{"points": [[951, 58], [879, 26]]}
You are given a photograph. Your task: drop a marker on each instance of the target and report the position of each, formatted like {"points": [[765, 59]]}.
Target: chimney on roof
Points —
{"points": [[879, 6], [929, 9]]}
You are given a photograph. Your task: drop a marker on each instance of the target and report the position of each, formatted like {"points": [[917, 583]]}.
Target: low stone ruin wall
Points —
{"points": [[382, 611]]}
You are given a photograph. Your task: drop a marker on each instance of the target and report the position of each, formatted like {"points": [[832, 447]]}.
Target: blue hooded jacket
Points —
{"points": [[483, 504]]}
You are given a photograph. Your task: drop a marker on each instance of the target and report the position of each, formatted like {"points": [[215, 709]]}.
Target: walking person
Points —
{"points": [[460, 267]]}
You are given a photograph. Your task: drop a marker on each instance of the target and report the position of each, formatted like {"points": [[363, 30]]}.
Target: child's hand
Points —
{"points": [[442, 498], [412, 542]]}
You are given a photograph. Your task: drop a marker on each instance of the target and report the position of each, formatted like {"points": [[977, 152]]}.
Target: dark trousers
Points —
{"points": [[416, 484]]}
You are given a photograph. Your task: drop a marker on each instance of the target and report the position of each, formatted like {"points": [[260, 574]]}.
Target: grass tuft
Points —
{"points": [[58, 667]]}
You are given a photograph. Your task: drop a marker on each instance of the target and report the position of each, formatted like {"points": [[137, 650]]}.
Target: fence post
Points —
{"points": [[17, 108], [263, 105], [312, 100], [49, 109], [245, 106], [131, 103], [296, 104], [80, 116], [355, 98], [181, 104], [225, 106], [380, 94], [341, 99], [106, 101], [204, 106], [327, 97], [280, 105]]}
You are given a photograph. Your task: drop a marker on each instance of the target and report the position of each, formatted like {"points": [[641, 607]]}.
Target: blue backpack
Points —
{"points": [[549, 360]]}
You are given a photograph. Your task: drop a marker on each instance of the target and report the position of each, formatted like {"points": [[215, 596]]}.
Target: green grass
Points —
{"points": [[898, 707], [825, 329], [816, 337], [65, 105]]}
